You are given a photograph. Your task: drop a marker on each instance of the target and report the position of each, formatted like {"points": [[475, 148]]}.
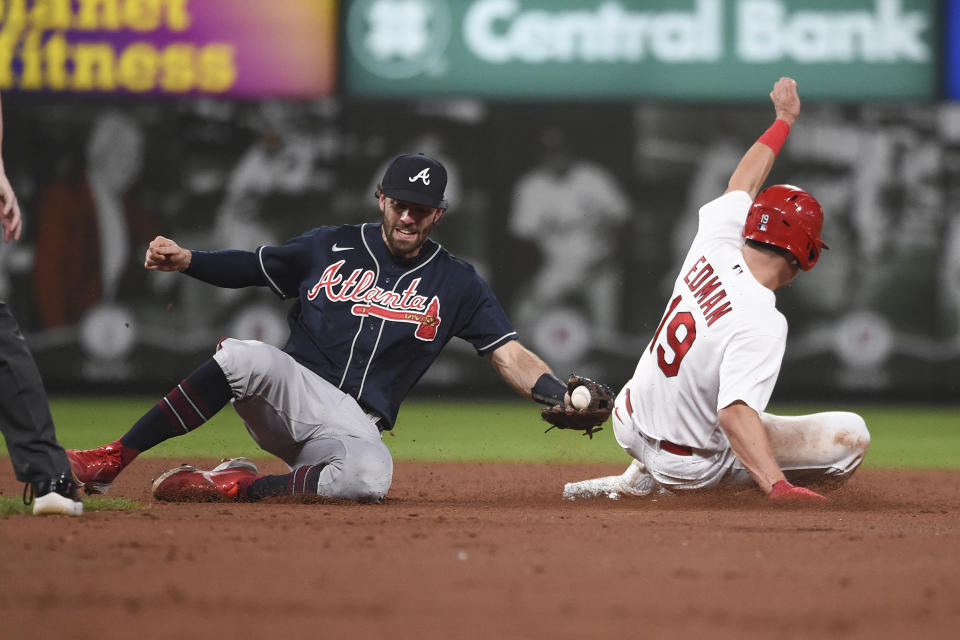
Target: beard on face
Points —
{"points": [[409, 245]]}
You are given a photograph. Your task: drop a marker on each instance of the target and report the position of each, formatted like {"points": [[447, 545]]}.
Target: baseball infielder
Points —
{"points": [[375, 304], [692, 416]]}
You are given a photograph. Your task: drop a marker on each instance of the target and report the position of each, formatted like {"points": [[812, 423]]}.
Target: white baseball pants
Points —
{"points": [[810, 449]]}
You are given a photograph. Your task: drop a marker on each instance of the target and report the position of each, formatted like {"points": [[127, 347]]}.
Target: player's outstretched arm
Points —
{"points": [[519, 367], [757, 162], [230, 269], [164, 254], [531, 377], [749, 441]]}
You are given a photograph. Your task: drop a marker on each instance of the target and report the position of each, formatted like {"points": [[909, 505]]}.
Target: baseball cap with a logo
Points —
{"points": [[414, 177]]}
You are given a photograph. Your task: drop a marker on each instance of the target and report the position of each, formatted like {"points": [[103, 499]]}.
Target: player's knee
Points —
{"points": [[852, 434], [371, 481], [244, 355], [363, 476]]}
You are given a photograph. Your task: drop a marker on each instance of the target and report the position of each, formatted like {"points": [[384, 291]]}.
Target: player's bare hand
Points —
{"points": [[785, 492], [164, 254], [786, 100], [10, 212]]}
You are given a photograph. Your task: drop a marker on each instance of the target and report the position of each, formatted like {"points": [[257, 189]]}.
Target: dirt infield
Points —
{"points": [[491, 551]]}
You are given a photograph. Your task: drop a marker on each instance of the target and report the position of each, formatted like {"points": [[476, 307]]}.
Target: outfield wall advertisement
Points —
{"points": [[237, 48], [951, 54], [676, 49]]}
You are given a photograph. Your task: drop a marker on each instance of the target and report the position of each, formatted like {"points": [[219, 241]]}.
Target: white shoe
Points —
{"points": [[55, 504], [635, 481], [53, 496]]}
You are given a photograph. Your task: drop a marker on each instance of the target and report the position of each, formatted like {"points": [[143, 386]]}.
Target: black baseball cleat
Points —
{"points": [[54, 496]]}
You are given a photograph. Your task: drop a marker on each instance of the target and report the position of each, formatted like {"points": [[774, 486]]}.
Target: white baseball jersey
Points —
{"points": [[721, 338]]}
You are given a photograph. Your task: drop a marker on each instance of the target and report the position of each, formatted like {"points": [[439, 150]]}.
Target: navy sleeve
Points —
{"points": [[285, 267], [228, 269], [486, 327]]}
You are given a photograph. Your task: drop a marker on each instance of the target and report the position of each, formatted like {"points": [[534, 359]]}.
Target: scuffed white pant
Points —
{"points": [[302, 419], [810, 449]]}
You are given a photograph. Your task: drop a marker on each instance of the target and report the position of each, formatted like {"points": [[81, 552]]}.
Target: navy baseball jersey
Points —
{"points": [[372, 323]]}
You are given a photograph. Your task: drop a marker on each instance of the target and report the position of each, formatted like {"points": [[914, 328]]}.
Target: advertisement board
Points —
{"points": [[951, 54], [671, 49], [237, 48]]}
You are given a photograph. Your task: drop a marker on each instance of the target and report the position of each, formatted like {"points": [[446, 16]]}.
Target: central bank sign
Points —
{"points": [[672, 49]]}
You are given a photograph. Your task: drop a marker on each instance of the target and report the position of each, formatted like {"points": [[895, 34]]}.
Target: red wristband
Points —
{"points": [[775, 135]]}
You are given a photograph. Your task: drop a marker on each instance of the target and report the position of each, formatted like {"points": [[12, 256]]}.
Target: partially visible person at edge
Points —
{"points": [[693, 414], [375, 304], [38, 459]]}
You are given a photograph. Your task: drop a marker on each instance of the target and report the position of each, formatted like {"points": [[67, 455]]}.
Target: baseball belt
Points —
{"points": [[663, 445]]}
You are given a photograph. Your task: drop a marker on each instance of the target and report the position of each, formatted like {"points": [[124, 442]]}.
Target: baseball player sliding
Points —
{"points": [[374, 305], [692, 416]]}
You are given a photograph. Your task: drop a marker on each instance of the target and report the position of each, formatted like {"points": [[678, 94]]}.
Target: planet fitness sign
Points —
{"points": [[701, 49], [216, 47]]}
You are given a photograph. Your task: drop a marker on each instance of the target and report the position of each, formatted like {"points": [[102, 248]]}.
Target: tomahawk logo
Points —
{"points": [[427, 322], [423, 175]]}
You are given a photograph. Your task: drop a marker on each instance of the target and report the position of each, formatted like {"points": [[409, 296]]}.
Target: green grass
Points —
{"points": [[502, 430], [14, 506]]}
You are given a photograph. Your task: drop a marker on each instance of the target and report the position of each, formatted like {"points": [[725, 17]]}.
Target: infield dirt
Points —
{"points": [[490, 551]]}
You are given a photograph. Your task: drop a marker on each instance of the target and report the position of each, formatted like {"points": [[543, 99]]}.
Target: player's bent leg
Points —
{"points": [[251, 366], [347, 468], [190, 404], [635, 481], [825, 446], [331, 443], [358, 469]]}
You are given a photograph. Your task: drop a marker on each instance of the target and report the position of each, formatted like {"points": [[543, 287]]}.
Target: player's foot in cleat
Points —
{"points": [[54, 496], [96, 469], [635, 481], [189, 484]]}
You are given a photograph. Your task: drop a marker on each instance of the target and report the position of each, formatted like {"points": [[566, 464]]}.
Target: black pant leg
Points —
{"points": [[25, 418]]}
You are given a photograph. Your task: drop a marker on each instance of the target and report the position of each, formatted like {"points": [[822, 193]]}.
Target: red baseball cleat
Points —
{"points": [[189, 484], [95, 469]]}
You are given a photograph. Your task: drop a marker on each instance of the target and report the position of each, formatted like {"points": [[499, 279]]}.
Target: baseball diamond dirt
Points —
{"points": [[491, 551]]}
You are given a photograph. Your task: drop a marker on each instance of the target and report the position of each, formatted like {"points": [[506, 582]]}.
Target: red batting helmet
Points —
{"points": [[790, 218]]}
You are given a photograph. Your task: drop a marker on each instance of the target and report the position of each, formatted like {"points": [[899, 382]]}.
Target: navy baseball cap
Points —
{"points": [[414, 177]]}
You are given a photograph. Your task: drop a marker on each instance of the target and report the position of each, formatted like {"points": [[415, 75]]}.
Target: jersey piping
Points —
{"points": [[270, 282], [376, 345], [498, 340], [353, 344]]}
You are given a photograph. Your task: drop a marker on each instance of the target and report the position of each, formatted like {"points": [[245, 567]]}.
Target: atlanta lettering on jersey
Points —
{"points": [[702, 286], [358, 287]]}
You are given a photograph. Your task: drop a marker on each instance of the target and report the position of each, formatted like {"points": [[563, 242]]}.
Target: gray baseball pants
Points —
{"points": [[302, 419]]}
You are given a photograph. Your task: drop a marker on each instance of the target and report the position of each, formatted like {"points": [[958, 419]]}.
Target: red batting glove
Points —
{"points": [[783, 490]]}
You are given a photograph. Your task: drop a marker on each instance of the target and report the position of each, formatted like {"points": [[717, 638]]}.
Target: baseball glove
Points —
{"points": [[587, 419]]}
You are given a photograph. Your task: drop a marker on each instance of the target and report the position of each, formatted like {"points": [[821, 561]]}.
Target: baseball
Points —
{"points": [[580, 397]]}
